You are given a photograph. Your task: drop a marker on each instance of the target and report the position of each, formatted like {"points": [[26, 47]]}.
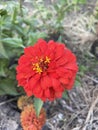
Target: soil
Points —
{"points": [[78, 111]]}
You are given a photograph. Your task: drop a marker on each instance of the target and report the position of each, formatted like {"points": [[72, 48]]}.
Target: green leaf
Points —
{"points": [[65, 94], [13, 42], [62, 2], [3, 12], [2, 68], [38, 103], [56, 7], [14, 15], [79, 1], [33, 37], [2, 51], [77, 83], [75, 1], [8, 86], [82, 1], [82, 68], [60, 39], [19, 29]]}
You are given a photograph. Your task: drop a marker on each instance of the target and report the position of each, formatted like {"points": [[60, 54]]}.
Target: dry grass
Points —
{"points": [[79, 111], [80, 30]]}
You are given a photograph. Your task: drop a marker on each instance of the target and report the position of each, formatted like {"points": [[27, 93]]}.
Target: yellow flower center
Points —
{"points": [[41, 65]]}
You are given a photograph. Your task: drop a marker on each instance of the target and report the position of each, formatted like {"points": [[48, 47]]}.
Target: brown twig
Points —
{"points": [[8, 101], [90, 112], [91, 78]]}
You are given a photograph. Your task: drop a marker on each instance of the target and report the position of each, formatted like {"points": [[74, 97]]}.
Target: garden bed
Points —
{"points": [[79, 109]]}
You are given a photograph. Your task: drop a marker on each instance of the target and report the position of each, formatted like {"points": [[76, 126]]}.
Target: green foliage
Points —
{"points": [[8, 84], [82, 69], [95, 11], [79, 1], [65, 94], [51, 17], [13, 42], [2, 51], [38, 103], [78, 81], [17, 30]]}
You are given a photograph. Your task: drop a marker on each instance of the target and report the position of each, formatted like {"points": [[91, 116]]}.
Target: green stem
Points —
{"points": [[20, 6]]}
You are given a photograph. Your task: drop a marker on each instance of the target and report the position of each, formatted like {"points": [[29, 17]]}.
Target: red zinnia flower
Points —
{"points": [[30, 121], [46, 70]]}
